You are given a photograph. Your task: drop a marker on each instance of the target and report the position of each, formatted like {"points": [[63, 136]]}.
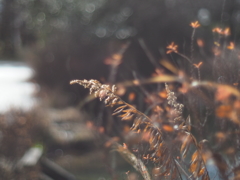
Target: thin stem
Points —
{"points": [[192, 50], [199, 75], [223, 7], [185, 57], [114, 66], [192, 40], [178, 165], [148, 52]]}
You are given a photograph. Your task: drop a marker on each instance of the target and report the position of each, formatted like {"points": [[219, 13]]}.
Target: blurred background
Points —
{"points": [[52, 130]]}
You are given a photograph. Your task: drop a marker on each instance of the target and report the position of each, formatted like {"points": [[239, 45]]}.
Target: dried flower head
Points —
{"points": [[217, 30], [103, 91], [172, 101], [231, 46], [198, 65], [225, 32], [172, 48], [195, 24]]}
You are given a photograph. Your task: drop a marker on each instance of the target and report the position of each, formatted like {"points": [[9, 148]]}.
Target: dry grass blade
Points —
{"points": [[127, 116], [119, 109], [202, 171], [194, 168], [194, 156], [188, 123], [169, 66], [157, 79], [185, 145], [208, 84], [136, 124]]}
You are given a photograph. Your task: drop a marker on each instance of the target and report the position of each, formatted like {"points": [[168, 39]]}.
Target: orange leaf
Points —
{"points": [[194, 156], [201, 172], [185, 143], [194, 167]]}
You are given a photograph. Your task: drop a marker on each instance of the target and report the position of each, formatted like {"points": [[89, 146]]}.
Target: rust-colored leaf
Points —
{"points": [[194, 156], [184, 153], [201, 171], [194, 167], [186, 142]]}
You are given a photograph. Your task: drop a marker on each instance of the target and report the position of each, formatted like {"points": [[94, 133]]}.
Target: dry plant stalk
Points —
{"points": [[133, 160], [165, 139]]}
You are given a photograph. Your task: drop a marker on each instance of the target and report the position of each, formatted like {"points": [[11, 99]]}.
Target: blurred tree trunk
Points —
{"points": [[9, 33]]}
